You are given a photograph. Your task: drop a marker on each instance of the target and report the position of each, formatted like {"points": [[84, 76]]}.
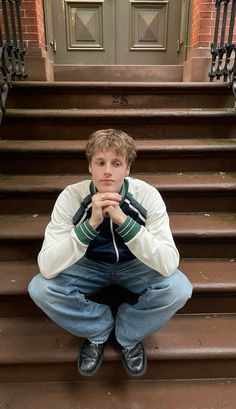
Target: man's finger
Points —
{"points": [[111, 196]]}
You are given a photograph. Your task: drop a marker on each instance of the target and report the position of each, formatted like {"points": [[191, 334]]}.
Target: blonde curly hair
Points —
{"points": [[114, 139]]}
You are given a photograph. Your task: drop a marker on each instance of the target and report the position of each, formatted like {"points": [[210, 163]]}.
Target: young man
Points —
{"points": [[112, 229]]}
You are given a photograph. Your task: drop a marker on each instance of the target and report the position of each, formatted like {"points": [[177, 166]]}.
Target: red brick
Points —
{"points": [[30, 13], [32, 29], [28, 21], [30, 5], [30, 36]]}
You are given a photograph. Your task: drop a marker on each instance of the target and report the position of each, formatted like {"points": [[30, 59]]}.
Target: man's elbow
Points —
{"points": [[46, 271], [172, 264]]}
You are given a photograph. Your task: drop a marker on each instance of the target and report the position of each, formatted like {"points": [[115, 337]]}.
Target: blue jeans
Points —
{"points": [[63, 299]]}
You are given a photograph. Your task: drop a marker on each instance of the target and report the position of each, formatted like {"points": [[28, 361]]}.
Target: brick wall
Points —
{"points": [[32, 20], [33, 23], [203, 23]]}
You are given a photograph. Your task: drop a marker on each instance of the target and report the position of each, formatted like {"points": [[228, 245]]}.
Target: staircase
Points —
{"points": [[186, 142]]}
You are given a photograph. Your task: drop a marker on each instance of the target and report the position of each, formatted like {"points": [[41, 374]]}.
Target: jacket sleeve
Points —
{"points": [[153, 244], [63, 244]]}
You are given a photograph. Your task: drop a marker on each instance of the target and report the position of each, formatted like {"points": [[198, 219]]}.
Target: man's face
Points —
{"points": [[108, 170]]}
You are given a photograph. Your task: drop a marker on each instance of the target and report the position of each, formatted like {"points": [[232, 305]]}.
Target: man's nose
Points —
{"points": [[108, 168]]}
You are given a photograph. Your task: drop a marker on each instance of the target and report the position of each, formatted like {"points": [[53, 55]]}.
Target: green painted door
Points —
{"points": [[126, 32]]}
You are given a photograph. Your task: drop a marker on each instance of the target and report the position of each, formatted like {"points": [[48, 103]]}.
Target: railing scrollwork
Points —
{"points": [[223, 48], [12, 48]]}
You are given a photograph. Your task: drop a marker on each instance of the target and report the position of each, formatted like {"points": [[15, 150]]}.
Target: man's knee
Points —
{"points": [[173, 291], [181, 289], [37, 288]]}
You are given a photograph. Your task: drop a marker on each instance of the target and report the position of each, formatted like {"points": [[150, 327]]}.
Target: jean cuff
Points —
{"points": [[99, 342]]}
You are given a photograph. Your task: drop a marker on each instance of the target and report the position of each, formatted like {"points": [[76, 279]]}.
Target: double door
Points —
{"points": [[123, 32]]}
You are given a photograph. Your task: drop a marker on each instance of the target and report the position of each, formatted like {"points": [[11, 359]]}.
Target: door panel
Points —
{"points": [[148, 26], [84, 28], [115, 31], [148, 32], [83, 31]]}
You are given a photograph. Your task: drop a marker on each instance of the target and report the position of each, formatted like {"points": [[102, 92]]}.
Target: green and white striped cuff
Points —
{"points": [[85, 232], [128, 229]]}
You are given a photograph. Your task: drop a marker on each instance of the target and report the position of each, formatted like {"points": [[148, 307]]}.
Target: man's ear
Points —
{"points": [[127, 170], [89, 168]]}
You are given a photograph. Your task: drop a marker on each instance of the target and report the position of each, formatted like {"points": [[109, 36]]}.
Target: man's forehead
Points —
{"points": [[101, 153]]}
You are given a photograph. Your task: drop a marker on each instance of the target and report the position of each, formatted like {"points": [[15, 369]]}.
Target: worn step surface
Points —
{"points": [[181, 192], [196, 234], [154, 156], [70, 124], [128, 73], [216, 275], [119, 94], [214, 287], [187, 347], [192, 394]]}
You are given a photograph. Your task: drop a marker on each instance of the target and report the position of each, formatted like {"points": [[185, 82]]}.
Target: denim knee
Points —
{"points": [[37, 289], [173, 291], [180, 289]]}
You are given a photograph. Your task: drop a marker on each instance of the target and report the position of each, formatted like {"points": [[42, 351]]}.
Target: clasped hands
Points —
{"points": [[106, 205]]}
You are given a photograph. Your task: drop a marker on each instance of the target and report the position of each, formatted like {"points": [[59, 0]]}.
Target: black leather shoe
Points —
{"points": [[90, 358], [134, 360]]}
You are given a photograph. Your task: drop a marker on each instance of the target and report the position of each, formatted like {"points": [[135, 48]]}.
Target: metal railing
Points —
{"points": [[223, 48], [12, 48]]}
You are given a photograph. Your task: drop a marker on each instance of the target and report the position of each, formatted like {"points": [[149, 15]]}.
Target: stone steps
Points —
{"points": [[186, 142], [140, 123], [154, 156], [214, 286], [187, 347], [91, 94], [187, 394], [196, 234], [215, 275], [181, 192]]}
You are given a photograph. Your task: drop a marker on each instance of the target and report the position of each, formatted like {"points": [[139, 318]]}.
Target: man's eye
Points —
{"points": [[117, 164]]}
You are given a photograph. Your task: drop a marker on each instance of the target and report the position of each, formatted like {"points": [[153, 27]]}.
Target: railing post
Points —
{"points": [[223, 61], [12, 48], [3, 73]]}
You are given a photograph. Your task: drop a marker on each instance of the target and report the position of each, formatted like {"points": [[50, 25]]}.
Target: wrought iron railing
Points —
{"points": [[12, 48], [223, 48]]}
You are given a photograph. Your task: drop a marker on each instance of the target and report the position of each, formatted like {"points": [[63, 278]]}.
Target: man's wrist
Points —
{"points": [[93, 224], [122, 220], [85, 232], [128, 229]]}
